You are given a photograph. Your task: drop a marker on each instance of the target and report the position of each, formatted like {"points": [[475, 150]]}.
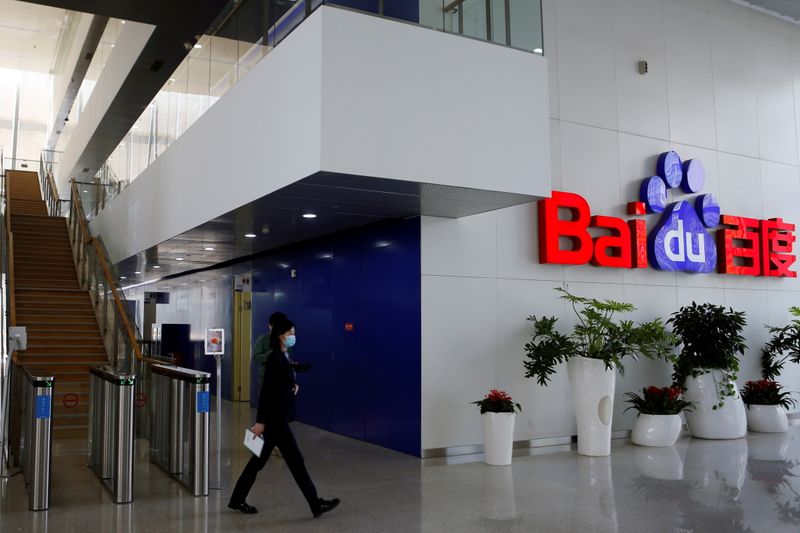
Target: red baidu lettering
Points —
{"points": [[552, 230], [777, 244], [612, 250], [638, 230], [740, 244]]}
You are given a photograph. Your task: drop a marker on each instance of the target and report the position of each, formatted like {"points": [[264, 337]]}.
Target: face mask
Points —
{"points": [[290, 341]]}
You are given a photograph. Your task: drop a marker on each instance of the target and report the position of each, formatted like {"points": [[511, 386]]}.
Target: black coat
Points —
{"points": [[276, 399]]}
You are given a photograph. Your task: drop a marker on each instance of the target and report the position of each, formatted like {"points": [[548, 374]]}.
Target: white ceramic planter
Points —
{"points": [[705, 422], [498, 437], [656, 430], [658, 463], [593, 395], [767, 418]]}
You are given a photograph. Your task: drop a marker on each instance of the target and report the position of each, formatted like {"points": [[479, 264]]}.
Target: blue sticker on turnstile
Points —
{"points": [[43, 406], [203, 402]]}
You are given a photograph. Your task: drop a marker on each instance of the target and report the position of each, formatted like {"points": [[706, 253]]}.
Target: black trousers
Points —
{"points": [[277, 434]]}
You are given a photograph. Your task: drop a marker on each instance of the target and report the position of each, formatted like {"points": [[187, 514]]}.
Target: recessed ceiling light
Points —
{"points": [[84, 190], [250, 235], [179, 259], [123, 277], [122, 22], [156, 266], [198, 45], [309, 215], [209, 248], [537, 51], [138, 272], [172, 79]]}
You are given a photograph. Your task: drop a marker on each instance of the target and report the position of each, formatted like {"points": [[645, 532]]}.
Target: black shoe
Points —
{"points": [[243, 507], [323, 506]]}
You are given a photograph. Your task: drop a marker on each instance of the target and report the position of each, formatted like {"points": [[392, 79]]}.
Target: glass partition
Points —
{"points": [[253, 27]]}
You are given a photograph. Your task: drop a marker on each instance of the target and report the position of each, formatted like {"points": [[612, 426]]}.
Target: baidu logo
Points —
{"points": [[681, 241], [569, 234]]}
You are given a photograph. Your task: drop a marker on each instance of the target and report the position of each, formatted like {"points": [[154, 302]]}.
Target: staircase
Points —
{"points": [[63, 337]]}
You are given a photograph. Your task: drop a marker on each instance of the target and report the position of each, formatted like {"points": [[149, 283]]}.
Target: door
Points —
{"points": [[242, 352]]}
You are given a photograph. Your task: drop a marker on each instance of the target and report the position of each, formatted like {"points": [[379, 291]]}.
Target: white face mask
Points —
{"points": [[290, 341]]}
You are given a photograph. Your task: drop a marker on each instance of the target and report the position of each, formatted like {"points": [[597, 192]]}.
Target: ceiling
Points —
{"points": [[340, 201], [785, 8], [29, 35]]}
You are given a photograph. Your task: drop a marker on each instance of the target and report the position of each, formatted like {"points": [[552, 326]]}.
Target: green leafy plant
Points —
{"points": [[498, 401], [598, 335], [712, 340], [658, 401], [783, 346], [767, 392]]}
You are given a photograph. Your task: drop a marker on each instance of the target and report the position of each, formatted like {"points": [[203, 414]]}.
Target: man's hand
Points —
{"points": [[296, 389], [257, 429]]}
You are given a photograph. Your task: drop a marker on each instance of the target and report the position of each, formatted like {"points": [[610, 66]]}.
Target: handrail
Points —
{"points": [[12, 312], [110, 283]]}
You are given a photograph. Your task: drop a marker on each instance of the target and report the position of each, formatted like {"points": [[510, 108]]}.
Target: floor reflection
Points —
{"points": [[702, 486]]}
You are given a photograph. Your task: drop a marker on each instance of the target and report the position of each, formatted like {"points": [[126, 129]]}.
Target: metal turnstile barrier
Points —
{"points": [[28, 433], [179, 417], [111, 430]]}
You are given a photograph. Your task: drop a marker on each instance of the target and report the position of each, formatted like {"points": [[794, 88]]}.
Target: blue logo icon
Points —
{"points": [[681, 241]]}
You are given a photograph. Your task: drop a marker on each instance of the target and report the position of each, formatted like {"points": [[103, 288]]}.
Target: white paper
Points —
{"points": [[254, 444]]}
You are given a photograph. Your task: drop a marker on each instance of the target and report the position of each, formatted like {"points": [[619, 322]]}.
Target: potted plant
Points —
{"points": [[594, 350], [497, 420], [658, 422], [783, 346], [706, 368], [767, 403]]}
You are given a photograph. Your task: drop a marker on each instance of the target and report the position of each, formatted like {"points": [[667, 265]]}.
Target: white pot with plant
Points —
{"points": [[658, 422], [498, 411], [767, 403], [593, 352], [706, 368]]}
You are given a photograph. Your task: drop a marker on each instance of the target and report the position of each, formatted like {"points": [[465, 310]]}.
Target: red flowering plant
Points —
{"points": [[498, 401], [658, 401], [767, 392]]}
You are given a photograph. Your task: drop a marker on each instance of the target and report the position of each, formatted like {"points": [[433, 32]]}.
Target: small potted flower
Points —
{"points": [[767, 402], [497, 419], [658, 422]]}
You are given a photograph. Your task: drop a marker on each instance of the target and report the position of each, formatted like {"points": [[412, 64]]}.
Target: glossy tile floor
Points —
{"points": [[751, 484]]}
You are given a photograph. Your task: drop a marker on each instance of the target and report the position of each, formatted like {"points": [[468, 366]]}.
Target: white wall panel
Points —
{"points": [[754, 304], [770, 24], [775, 92], [547, 410], [460, 247], [551, 53], [734, 87], [433, 113], [689, 75], [732, 101], [518, 248], [460, 365], [642, 98], [586, 81]]}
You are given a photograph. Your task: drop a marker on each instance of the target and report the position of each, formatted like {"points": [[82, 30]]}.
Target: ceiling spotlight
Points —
{"points": [[198, 46], [309, 215], [123, 277], [138, 272], [209, 248], [156, 266], [538, 51], [179, 259], [250, 235]]}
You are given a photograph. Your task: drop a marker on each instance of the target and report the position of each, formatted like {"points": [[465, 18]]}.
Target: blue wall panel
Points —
{"points": [[364, 383]]}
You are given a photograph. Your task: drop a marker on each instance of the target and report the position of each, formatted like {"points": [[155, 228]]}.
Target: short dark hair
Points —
{"points": [[281, 326], [275, 317]]}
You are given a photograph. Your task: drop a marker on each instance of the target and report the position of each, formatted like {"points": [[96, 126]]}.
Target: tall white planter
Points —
{"points": [[498, 437], [593, 395], [705, 422], [767, 418]]}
